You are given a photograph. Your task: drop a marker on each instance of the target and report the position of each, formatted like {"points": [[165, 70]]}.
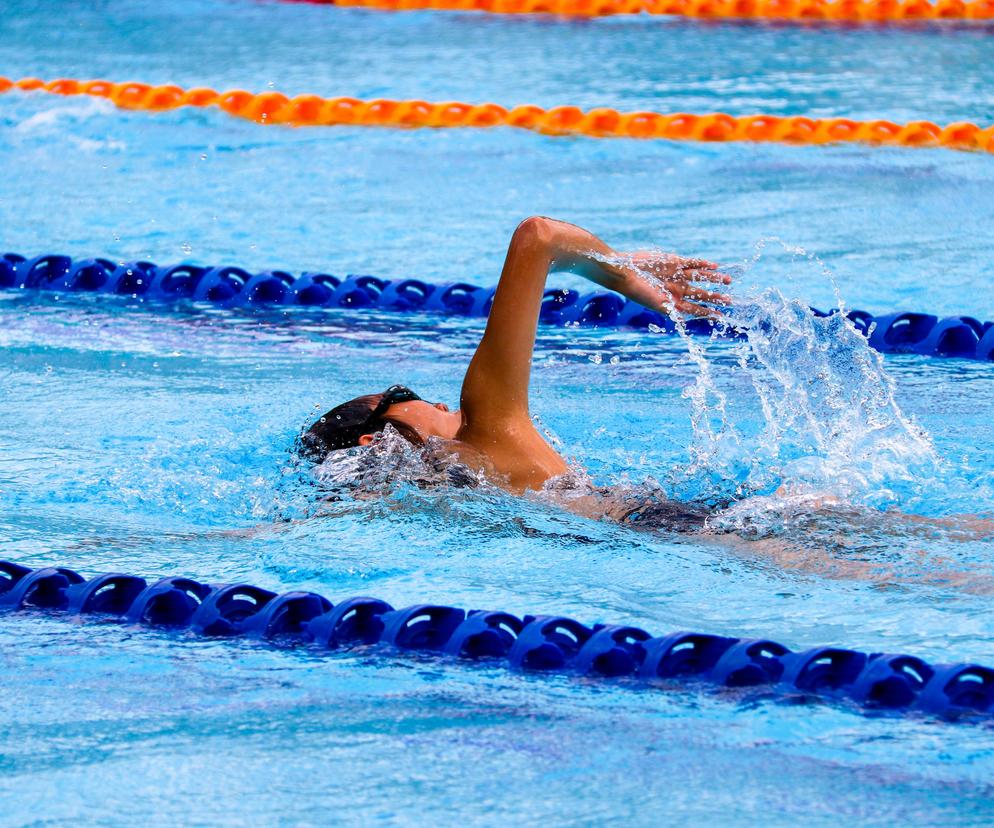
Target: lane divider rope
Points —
{"points": [[313, 110], [848, 11], [228, 286], [893, 682]]}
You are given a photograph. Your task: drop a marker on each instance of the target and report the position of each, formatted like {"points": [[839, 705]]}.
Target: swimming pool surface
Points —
{"points": [[158, 443]]}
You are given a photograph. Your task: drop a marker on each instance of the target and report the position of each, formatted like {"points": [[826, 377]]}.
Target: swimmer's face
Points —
{"points": [[423, 418]]}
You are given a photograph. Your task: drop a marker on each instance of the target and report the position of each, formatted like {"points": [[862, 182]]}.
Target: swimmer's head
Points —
{"points": [[356, 422]]}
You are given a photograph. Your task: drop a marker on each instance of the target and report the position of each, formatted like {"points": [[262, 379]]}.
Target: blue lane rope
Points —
{"points": [[228, 286], [897, 683]]}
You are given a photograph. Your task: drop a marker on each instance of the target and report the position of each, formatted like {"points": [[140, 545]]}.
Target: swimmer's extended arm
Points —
{"points": [[495, 390]]}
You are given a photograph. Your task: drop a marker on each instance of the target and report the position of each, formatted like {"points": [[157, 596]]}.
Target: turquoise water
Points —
{"points": [[158, 443]]}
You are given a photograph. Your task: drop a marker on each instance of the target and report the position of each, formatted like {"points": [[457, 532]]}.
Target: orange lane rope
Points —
{"points": [[312, 110], [869, 11]]}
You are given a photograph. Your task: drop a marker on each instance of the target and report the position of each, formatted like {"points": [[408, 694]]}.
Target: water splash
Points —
{"points": [[830, 429], [391, 461]]}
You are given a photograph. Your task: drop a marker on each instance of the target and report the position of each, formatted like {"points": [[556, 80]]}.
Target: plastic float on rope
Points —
{"points": [[233, 287], [243, 609], [888, 682], [169, 602], [603, 122], [806, 11]]}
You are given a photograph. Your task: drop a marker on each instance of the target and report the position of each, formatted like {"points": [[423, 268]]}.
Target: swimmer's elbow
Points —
{"points": [[535, 231]]}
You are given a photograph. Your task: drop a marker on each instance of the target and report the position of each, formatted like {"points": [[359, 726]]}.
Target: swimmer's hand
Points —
{"points": [[661, 281], [667, 282]]}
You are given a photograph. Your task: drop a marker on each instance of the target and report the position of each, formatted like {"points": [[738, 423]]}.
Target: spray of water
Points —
{"points": [[390, 460], [830, 429]]}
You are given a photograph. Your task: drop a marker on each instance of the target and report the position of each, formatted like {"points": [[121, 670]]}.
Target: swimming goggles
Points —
{"points": [[393, 395]]}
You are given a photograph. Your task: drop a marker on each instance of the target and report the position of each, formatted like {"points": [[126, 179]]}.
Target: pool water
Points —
{"points": [[159, 443]]}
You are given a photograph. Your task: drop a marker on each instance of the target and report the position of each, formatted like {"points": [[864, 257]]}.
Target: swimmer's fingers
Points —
{"points": [[712, 276], [691, 309], [696, 264], [698, 270], [709, 296], [673, 305], [668, 266]]}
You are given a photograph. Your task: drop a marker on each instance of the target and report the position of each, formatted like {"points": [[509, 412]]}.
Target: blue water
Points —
{"points": [[158, 443]]}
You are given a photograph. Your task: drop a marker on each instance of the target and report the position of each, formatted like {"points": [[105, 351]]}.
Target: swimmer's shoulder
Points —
{"points": [[463, 457], [515, 466]]}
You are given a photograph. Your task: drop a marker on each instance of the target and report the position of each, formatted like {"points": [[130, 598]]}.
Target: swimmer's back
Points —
{"points": [[668, 516], [649, 510]]}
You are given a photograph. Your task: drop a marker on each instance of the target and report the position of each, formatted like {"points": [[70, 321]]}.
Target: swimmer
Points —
{"points": [[493, 436], [492, 431]]}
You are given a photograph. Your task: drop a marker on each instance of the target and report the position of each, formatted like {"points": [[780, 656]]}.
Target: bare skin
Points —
{"points": [[492, 432]]}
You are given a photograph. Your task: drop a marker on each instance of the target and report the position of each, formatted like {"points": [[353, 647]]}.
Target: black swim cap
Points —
{"points": [[346, 423]]}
